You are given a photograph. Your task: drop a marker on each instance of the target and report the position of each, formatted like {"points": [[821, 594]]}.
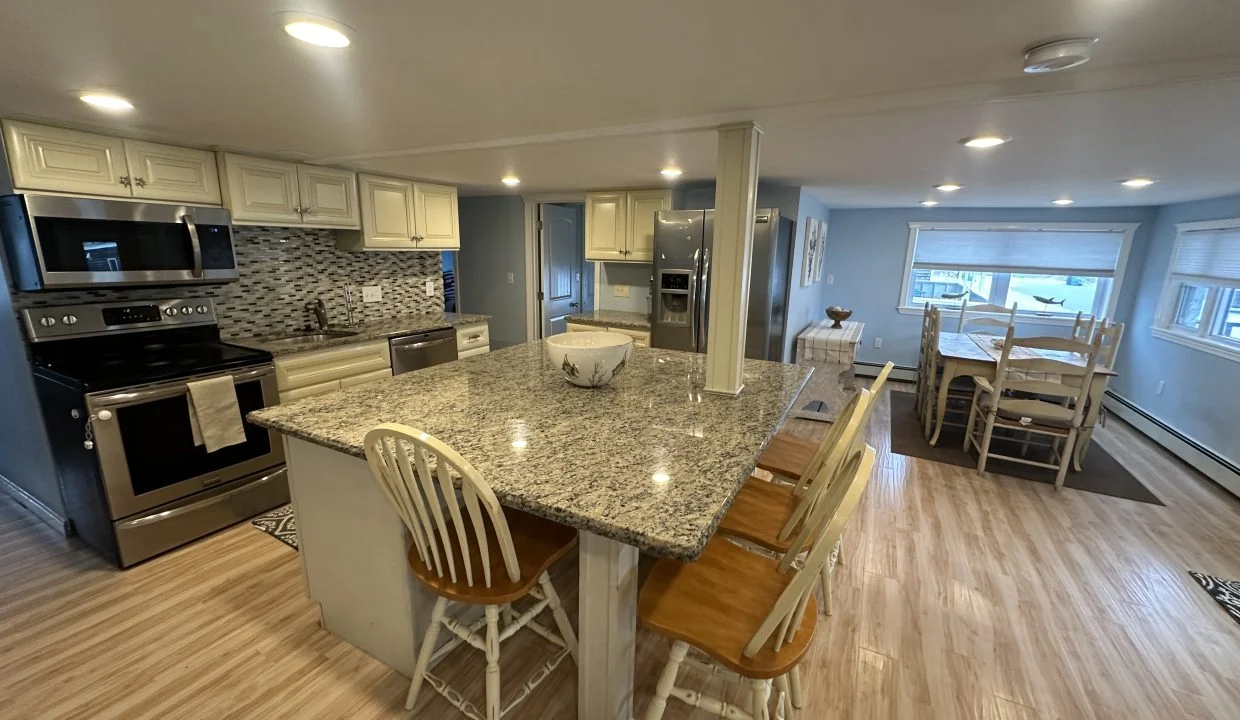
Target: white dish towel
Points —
{"points": [[214, 416]]}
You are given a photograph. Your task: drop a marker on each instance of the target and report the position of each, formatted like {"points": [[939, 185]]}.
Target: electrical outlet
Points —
{"points": [[830, 279], [878, 342], [509, 278], [372, 293], [1161, 384], [620, 290], [430, 288]]}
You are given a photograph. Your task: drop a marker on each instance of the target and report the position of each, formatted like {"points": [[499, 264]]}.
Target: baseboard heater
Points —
{"points": [[899, 372], [1201, 458]]}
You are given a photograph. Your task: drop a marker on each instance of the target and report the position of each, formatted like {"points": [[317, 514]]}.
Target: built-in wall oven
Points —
{"points": [[56, 242]]}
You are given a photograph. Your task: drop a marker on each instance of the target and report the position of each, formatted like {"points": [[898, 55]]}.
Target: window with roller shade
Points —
{"points": [[1201, 296], [1045, 270]]}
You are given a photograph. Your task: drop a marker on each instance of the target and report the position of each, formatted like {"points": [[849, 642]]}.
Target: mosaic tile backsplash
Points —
{"points": [[281, 270]]}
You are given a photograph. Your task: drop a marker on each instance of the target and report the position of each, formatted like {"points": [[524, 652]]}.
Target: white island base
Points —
{"points": [[353, 554]]}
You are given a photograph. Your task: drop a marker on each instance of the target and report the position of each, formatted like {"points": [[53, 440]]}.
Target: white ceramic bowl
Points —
{"points": [[589, 359]]}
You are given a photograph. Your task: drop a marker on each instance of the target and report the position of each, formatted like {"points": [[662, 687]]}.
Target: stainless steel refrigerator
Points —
{"points": [[682, 276]]}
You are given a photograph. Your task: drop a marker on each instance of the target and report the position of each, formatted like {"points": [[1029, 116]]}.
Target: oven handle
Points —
{"points": [[169, 514], [194, 243], [168, 390]]}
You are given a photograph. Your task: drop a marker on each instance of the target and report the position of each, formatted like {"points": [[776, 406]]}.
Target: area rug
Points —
{"points": [[826, 393], [1224, 592], [279, 524], [1100, 473]]}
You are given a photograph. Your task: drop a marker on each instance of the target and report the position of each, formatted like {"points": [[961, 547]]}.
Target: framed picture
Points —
{"points": [[822, 250], [812, 251]]}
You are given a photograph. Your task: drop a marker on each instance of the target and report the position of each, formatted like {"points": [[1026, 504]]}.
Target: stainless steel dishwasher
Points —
{"points": [[421, 350]]}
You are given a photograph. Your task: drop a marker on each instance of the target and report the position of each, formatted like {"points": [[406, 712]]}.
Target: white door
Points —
{"points": [[435, 217], [47, 158], [642, 206], [168, 172], [561, 243], [328, 196], [605, 221], [262, 191], [387, 213]]}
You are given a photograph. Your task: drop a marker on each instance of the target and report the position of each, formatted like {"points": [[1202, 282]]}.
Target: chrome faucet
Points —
{"points": [[320, 312], [348, 305]]}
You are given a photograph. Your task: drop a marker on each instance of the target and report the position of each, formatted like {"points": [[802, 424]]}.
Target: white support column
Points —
{"points": [[736, 192], [607, 628]]}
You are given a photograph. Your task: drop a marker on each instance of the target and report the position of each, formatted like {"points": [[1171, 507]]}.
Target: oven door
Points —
{"points": [[146, 449], [84, 242]]}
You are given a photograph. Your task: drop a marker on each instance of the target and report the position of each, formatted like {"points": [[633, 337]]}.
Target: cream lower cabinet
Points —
{"points": [[641, 338], [620, 224], [302, 375], [260, 191], [472, 340]]}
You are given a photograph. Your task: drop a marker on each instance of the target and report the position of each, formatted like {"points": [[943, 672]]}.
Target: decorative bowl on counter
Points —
{"points": [[589, 359], [838, 314]]}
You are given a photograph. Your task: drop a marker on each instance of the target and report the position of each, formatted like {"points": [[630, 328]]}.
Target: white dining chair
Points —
{"points": [[1083, 327], [1111, 335], [959, 393], [495, 558], [985, 318]]}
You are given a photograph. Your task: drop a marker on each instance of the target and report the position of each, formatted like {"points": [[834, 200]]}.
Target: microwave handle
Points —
{"points": [[194, 243]]}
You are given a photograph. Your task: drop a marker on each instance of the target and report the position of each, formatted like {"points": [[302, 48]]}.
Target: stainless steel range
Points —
{"points": [[112, 383]]}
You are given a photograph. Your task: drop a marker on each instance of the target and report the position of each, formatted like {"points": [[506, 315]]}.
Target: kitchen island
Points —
{"points": [[648, 464]]}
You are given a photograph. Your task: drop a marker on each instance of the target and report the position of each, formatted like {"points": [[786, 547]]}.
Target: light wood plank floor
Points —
{"points": [[961, 596]]}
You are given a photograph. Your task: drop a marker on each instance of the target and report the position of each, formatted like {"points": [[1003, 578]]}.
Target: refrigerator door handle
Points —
{"points": [[700, 333], [692, 299]]}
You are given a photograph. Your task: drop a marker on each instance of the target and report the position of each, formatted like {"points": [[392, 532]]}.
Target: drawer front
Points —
{"points": [[356, 380], [462, 354], [640, 337], [313, 368], [472, 336], [309, 391], [578, 327]]}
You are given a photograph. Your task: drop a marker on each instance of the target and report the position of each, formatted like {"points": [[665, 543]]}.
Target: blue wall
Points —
{"points": [[1200, 397], [866, 250], [493, 245]]}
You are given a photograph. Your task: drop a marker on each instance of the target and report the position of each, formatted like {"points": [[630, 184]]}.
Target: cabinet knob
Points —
{"points": [[125, 180], [140, 182], [306, 211], [297, 210]]}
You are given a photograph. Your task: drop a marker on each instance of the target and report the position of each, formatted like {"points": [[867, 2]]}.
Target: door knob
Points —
{"points": [[574, 304]]}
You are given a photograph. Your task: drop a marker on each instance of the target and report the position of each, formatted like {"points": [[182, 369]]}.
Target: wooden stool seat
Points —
{"points": [[539, 543], [787, 455], [717, 603], [759, 512]]}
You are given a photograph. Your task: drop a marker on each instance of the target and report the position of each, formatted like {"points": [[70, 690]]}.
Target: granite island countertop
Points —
{"points": [[651, 461], [613, 318], [366, 332]]}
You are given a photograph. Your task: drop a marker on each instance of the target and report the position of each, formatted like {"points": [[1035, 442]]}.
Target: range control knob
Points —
{"points": [[47, 320], [69, 319], [170, 311], [187, 310], [202, 309]]}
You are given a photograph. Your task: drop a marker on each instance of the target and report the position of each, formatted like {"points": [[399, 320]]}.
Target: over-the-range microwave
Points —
{"points": [[57, 242]]}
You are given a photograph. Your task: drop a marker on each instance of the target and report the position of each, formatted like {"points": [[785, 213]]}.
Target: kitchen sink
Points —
{"points": [[311, 337]]}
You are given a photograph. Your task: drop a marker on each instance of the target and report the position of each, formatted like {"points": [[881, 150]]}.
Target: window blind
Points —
{"points": [[1211, 256], [1042, 252]]}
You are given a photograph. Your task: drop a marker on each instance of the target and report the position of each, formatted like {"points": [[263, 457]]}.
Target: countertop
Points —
{"points": [[651, 461], [366, 332], [613, 318]]}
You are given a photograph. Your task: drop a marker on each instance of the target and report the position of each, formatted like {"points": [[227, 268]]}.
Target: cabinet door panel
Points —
{"points": [[387, 213], [605, 226], [642, 206], [261, 190], [168, 172], [328, 196], [48, 158], [435, 217]]}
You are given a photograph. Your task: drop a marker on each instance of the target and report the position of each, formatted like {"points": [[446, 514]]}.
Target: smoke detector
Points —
{"points": [[1058, 55]]}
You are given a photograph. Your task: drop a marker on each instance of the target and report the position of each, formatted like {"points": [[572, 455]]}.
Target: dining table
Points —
{"points": [[978, 354]]}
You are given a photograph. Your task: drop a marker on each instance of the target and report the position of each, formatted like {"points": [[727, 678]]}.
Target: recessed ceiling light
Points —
{"points": [[1137, 182], [315, 30], [948, 187], [929, 203], [511, 180], [104, 101], [983, 141], [671, 172], [1059, 55], [1063, 201]]}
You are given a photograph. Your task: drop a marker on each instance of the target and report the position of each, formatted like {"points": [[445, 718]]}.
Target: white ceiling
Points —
{"points": [[862, 101]]}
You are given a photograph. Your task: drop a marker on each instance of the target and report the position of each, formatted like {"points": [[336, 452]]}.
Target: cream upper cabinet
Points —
{"points": [[387, 214], [606, 215], [435, 224], [48, 158], [328, 196], [168, 172], [641, 209], [260, 190], [620, 224]]}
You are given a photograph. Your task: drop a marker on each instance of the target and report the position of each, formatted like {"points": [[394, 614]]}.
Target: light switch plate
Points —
{"points": [[372, 293], [830, 279], [430, 288], [620, 290], [509, 278]]}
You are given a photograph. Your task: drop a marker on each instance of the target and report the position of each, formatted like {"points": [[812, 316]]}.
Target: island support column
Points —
{"points": [[607, 628], [736, 192]]}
